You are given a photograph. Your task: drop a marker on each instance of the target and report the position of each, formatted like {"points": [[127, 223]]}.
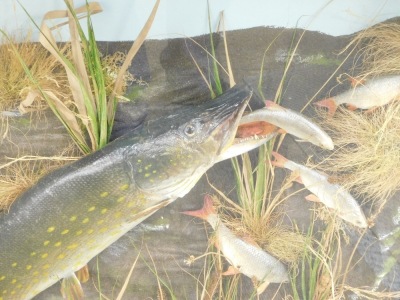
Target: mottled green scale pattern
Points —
{"points": [[53, 246], [74, 213]]}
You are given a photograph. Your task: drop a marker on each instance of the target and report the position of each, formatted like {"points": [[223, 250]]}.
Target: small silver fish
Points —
{"points": [[244, 257], [331, 195], [291, 122], [375, 92]]}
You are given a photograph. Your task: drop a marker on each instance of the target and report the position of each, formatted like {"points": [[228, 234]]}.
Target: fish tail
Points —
{"points": [[279, 161], [203, 213], [328, 103], [272, 105]]}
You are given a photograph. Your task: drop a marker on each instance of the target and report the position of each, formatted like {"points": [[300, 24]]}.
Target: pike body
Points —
{"points": [[74, 213]]}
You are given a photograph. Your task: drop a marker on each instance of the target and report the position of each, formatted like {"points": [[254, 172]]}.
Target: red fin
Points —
{"points": [[298, 180], [203, 213], [351, 107], [83, 274], [231, 271], [279, 161], [312, 198], [272, 105], [354, 81], [328, 103], [255, 128]]}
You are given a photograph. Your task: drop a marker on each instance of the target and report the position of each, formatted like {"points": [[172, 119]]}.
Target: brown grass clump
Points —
{"points": [[14, 82], [380, 48], [22, 173], [367, 158]]}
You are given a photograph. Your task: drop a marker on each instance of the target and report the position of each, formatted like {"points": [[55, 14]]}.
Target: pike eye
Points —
{"points": [[190, 130]]}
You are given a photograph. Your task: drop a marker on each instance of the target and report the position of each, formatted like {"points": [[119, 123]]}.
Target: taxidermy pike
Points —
{"points": [[331, 195], [244, 256], [287, 120], [373, 93], [74, 213]]}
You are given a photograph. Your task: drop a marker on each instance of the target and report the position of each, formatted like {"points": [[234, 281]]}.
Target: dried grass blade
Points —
{"points": [[228, 61], [129, 57]]}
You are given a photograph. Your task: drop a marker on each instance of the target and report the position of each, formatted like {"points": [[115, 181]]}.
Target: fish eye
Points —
{"points": [[190, 130]]}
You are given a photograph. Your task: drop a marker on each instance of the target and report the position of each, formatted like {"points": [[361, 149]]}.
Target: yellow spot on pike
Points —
{"points": [[120, 199], [12, 292], [46, 266], [2, 278], [19, 286], [72, 246], [14, 281], [61, 256], [51, 229], [91, 208], [85, 220], [28, 267], [58, 244], [14, 265], [117, 214], [44, 255], [147, 175], [65, 231], [90, 231], [124, 187], [35, 273], [104, 229], [79, 232], [104, 194], [100, 222], [103, 211], [46, 243], [73, 218], [33, 253]]}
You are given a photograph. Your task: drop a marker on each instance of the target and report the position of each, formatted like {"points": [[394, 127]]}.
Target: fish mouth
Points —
{"points": [[227, 114]]}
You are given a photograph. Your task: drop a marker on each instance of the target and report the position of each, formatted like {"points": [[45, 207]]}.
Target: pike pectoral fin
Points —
{"points": [[312, 198], [262, 287], [71, 288], [83, 274], [231, 271]]}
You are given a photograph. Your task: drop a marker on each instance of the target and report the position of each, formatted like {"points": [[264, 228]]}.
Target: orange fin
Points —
{"points": [[279, 161], [328, 103], [312, 198], [354, 81], [255, 128], [71, 288], [298, 180], [351, 107], [272, 105], [231, 271], [83, 274], [203, 213]]}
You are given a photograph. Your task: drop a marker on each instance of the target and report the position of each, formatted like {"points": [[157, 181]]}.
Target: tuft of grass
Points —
{"points": [[367, 158], [91, 119], [22, 173], [15, 84], [379, 48]]}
